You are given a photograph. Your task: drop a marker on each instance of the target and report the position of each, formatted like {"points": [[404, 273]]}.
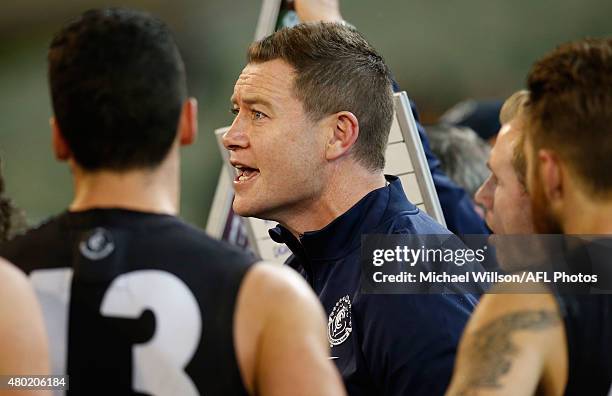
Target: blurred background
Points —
{"points": [[441, 52]]}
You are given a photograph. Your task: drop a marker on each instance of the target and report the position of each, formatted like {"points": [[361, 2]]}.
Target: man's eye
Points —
{"points": [[258, 115], [235, 111]]}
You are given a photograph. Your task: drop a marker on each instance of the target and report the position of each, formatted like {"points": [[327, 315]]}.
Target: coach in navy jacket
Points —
{"points": [[386, 344], [313, 112]]}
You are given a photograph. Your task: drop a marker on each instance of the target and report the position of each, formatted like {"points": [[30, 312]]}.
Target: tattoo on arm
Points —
{"points": [[491, 349]]}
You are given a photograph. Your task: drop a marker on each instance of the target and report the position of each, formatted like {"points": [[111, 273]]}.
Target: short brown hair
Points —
{"points": [[337, 70], [512, 108], [570, 109]]}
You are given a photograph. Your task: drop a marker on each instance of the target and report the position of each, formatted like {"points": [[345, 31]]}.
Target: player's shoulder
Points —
{"points": [[41, 231], [275, 290], [272, 281], [12, 277], [44, 237], [17, 300], [15, 286], [22, 335], [274, 304]]}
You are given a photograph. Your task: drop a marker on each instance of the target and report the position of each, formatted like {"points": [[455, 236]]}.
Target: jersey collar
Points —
{"points": [[343, 235]]}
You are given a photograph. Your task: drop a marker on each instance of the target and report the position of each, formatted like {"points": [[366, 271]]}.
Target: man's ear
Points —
{"points": [[188, 122], [60, 147], [345, 131], [551, 175]]}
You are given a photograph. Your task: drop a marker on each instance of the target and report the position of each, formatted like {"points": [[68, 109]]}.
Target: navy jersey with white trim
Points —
{"points": [[382, 344], [135, 303]]}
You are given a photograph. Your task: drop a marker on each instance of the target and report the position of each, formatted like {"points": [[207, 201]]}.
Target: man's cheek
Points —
{"points": [[490, 219]]}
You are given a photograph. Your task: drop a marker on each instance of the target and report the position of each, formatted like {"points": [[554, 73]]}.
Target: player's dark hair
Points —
{"points": [[570, 109], [337, 70], [117, 85]]}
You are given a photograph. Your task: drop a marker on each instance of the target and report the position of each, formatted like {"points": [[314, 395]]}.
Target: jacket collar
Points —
{"points": [[343, 235]]}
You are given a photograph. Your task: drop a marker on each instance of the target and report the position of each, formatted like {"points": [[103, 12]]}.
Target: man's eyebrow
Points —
{"points": [[251, 100]]}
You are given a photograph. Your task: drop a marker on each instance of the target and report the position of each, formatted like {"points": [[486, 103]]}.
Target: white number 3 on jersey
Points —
{"points": [[159, 364]]}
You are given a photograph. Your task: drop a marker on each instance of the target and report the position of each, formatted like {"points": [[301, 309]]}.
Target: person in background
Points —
{"points": [[504, 194], [460, 214], [482, 116], [313, 110], [136, 300], [551, 343], [463, 155]]}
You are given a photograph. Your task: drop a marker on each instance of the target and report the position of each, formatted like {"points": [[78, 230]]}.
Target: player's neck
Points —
{"points": [[155, 191], [343, 189], [589, 217]]}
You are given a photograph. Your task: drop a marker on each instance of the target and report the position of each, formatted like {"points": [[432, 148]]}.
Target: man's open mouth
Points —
{"points": [[244, 173]]}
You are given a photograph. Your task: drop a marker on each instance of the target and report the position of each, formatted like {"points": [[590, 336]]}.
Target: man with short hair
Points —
{"points": [[460, 214], [136, 300], [313, 112], [555, 344], [504, 194]]}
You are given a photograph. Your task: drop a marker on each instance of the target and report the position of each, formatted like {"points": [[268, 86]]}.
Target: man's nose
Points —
{"points": [[236, 137]]}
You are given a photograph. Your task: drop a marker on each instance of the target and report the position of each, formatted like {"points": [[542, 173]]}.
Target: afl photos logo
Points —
{"points": [[340, 326]]}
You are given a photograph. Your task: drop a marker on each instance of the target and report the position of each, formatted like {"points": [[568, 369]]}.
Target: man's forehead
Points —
{"points": [[510, 132], [501, 153], [272, 80]]}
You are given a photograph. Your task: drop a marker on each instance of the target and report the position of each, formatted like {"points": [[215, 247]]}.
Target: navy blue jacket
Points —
{"points": [[395, 344]]}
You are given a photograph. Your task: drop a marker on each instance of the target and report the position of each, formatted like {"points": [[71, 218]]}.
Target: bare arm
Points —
{"points": [[23, 341], [281, 337], [513, 345]]}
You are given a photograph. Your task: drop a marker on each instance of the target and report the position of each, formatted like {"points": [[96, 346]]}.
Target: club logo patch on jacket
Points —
{"points": [[339, 325]]}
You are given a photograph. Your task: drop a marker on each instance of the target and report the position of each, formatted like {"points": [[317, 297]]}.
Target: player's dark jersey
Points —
{"points": [[588, 328], [135, 303], [587, 318]]}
